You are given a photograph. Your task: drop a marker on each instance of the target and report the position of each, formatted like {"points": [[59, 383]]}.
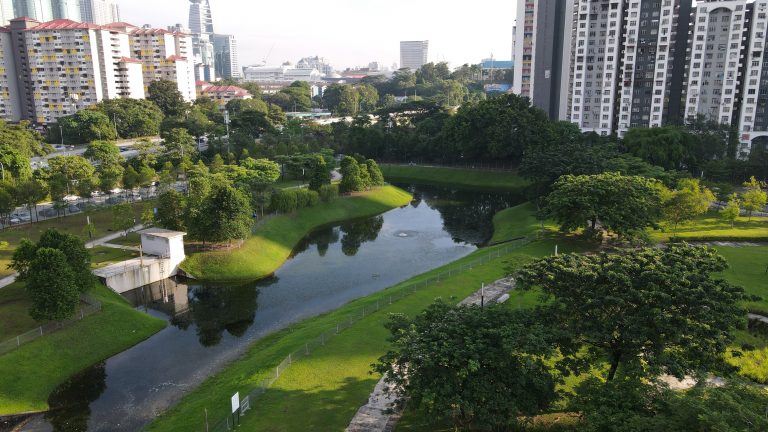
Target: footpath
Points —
{"points": [[380, 413]]}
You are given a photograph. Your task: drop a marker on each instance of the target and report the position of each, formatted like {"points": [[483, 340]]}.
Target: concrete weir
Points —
{"points": [[162, 253]]}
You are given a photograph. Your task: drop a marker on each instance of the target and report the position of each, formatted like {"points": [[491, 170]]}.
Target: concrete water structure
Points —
{"points": [[162, 253]]}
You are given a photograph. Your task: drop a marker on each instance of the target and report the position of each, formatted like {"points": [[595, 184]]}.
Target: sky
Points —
{"points": [[347, 33]]}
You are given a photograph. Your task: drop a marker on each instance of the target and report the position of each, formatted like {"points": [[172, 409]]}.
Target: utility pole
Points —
{"points": [[226, 122]]}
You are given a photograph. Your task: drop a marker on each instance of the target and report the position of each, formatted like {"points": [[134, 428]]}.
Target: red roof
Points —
{"points": [[177, 58], [130, 60], [201, 83], [227, 89], [65, 24]]}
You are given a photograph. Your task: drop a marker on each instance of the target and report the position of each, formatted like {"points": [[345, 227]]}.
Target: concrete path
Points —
{"points": [[380, 413], [756, 317]]}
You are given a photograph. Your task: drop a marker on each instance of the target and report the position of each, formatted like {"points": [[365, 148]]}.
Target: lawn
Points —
{"points": [[490, 180], [37, 368], [102, 256], [323, 391], [132, 239], [516, 222], [748, 269], [14, 315], [101, 219], [710, 227], [272, 243]]}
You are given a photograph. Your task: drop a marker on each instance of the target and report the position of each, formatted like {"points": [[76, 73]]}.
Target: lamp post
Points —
{"points": [[2, 167]]}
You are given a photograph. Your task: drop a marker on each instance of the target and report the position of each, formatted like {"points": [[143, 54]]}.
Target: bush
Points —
{"points": [[302, 197], [752, 364], [284, 201], [314, 198], [329, 193]]}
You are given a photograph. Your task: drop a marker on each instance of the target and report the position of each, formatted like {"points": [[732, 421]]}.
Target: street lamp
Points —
{"points": [[2, 167]]}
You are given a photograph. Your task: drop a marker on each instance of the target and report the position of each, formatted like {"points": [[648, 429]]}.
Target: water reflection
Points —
{"points": [[358, 232], [71, 401]]}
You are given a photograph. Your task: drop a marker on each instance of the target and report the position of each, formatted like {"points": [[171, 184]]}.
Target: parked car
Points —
{"points": [[70, 198], [72, 208], [115, 200], [24, 217], [49, 212], [15, 221]]}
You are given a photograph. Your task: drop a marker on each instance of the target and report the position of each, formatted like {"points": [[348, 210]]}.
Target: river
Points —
{"points": [[210, 325]]}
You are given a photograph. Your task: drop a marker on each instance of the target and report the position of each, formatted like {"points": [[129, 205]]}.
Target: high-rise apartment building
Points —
{"points": [[165, 55], [595, 68], [542, 45], [62, 66], [753, 121], [226, 61], [201, 26], [99, 11], [413, 54], [652, 66], [39, 10], [66, 9]]}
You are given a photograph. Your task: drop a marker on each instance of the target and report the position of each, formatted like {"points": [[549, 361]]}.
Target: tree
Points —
{"points": [[30, 192], [178, 145], [651, 312], [295, 97], [146, 152], [688, 201], [480, 368], [109, 159], [320, 174], [83, 127], [754, 198], [7, 205], [123, 217], [225, 215], [365, 177], [170, 211], [624, 205], [732, 210], [67, 171], [166, 95], [133, 118], [350, 176], [76, 255], [377, 178], [51, 287]]}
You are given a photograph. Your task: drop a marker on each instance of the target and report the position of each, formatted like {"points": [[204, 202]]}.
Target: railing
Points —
{"points": [[483, 166], [229, 422], [88, 306]]}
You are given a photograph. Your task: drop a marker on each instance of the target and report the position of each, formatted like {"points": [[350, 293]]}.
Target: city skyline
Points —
{"points": [[347, 38]]}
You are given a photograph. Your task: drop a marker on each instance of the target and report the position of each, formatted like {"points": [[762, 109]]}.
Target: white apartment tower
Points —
{"points": [[6, 12], [595, 68], [413, 54], [753, 121], [66, 9], [227, 62], [99, 11], [653, 62], [39, 10], [542, 51]]}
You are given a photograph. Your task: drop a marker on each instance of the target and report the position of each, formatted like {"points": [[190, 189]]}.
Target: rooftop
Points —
{"points": [[164, 233]]}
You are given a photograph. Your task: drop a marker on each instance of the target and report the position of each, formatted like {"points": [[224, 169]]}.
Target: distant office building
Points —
{"points": [[315, 62], [99, 11], [542, 45], [39, 10], [413, 54], [653, 64], [201, 26], [6, 12], [226, 61], [67, 9], [284, 74]]}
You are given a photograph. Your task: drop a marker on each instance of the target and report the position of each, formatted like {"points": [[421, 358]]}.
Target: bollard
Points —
{"points": [[322, 339], [41, 330], [289, 359], [337, 329], [277, 372], [306, 348]]}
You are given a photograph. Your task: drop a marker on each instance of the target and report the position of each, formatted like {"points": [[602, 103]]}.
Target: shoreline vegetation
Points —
{"points": [[467, 178], [272, 242]]}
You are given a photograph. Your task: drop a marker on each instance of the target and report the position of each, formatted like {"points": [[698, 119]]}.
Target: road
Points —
{"points": [[42, 161]]}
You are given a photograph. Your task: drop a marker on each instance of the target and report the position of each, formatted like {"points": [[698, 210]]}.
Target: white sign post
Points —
{"points": [[235, 408]]}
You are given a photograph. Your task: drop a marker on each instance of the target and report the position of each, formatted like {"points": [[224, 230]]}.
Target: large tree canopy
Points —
{"points": [[646, 312]]}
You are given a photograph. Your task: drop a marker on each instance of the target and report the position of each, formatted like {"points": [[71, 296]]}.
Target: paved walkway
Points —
{"points": [[4, 282], [380, 414]]}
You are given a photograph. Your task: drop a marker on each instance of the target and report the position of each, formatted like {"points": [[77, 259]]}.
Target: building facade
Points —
{"points": [[6, 12], [99, 12], [226, 62], [222, 94], [413, 54], [201, 27], [40, 10], [66, 9], [753, 119], [542, 51]]}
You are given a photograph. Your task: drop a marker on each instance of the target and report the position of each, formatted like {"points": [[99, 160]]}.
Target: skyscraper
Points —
{"points": [[99, 11], [413, 54], [66, 9], [6, 11], [40, 10], [201, 26], [227, 62], [542, 54]]}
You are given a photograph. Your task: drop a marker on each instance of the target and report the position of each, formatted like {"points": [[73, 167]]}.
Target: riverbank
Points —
{"points": [[273, 241], [460, 177], [35, 369]]}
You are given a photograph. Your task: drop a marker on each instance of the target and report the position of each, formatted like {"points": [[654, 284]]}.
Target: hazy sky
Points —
{"points": [[347, 33]]}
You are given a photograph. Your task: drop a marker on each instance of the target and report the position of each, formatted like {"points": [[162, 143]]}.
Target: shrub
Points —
{"points": [[329, 193], [752, 364], [284, 201], [314, 198], [302, 198]]}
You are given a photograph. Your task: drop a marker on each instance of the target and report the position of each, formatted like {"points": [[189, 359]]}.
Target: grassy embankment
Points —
{"points": [[710, 227], [32, 371], [35, 369], [272, 242], [468, 178]]}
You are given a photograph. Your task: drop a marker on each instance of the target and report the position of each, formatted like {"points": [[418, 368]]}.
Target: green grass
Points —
{"points": [[14, 315], [710, 227], [323, 391], [268, 248], [31, 372], [490, 180], [102, 256], [516, 222], [748, 269], [132, 239], [101, 219]]}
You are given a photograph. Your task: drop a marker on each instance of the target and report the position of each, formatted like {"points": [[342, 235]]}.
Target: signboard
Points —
{"points": [[235, 402], [245, 405]]}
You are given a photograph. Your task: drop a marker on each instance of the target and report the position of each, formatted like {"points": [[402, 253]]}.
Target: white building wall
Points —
{"points": [[6, 12], [753, 120], [10, 102]]}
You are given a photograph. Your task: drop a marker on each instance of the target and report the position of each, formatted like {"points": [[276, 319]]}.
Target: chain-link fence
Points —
{"points": [[229, 422], [480, 166], [88, 306]]}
